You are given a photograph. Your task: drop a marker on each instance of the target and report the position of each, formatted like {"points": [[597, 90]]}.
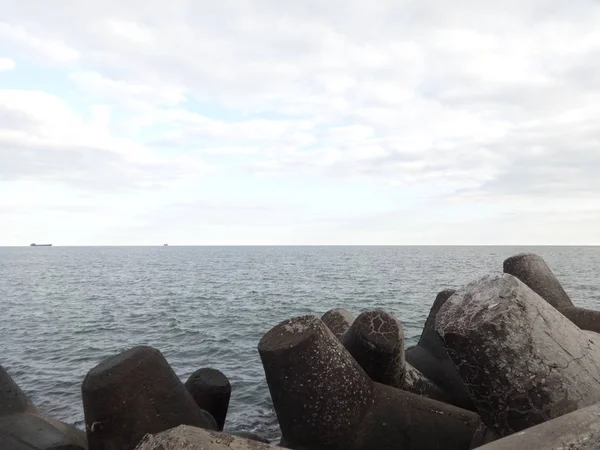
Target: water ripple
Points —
{"points": [[65, 309]]}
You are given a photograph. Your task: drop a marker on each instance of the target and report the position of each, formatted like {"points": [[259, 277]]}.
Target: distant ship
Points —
{"points": [[40, 245], [166, 245]]}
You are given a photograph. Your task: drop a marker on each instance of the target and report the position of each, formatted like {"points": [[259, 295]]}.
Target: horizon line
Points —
{"points": [[301, 245]]}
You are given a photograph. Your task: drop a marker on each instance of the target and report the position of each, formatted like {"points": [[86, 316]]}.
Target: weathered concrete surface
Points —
{"points": [[12, 398], [402, 420], [429, 339], [579, 430], [191, 438], [26, 431], [376, 341], [523, 362], [324, 399], [586, 319], [319, 391], [532, 270], [250, 436], [132, 394], [73, 434], [211, 391], [338, 321], [22, 426], [593, 336], [431, 359]]}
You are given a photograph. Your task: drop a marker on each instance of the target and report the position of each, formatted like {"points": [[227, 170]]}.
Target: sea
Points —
{"points": [[64, 309]]}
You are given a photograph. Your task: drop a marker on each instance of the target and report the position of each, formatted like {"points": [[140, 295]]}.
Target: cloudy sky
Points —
{"points": [[299, 122]]}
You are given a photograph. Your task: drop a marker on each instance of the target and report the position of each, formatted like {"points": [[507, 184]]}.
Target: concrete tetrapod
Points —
{"points": [[185, 437], [523, 362], [12, 398], [211, 391], [28, 431], [338, 321], [431, 359], [532, 270], [579, 430], [376, 341], [250, 436], [325, 400], [132, 394], [23, 427], [586, 319]]}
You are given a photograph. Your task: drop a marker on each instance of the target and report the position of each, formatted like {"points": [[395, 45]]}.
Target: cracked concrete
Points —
{"points": [[376, 342], [324, 400], [522, 361]]}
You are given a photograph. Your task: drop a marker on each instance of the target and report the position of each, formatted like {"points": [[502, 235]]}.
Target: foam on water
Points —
{"points": [[65, 309]]}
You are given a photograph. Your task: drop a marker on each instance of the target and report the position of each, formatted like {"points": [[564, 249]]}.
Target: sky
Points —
{"points": [[267, 122]]}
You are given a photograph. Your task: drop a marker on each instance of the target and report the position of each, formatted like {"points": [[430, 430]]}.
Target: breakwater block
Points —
{"points": [[586, 319], [250, 436], [134, 393], [338, 320], [430, 358], [26, 431], [23, 427], [211, 391], [376, 341], [523, 362], [12, 398], [579, 430], [190, 438], [532, 270], [325, 400]]}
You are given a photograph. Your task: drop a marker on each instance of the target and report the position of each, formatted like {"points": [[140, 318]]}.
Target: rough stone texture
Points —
{"points": [[211, 391], [593, 336], [251, 436], [338, 321], [523, 362], [319, 391], [23, 427], [532, 270], [132, 394], [12, 398], [26, 431], [429, 339], [579, 430], [190, 438], [324, 400], [586, 319], [431, 359], [376, 341]]}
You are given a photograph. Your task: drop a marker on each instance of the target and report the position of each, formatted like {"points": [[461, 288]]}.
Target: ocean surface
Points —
{"points": [[63, 309]]}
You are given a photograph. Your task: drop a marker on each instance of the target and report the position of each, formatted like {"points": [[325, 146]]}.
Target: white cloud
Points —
{"points": [[6, 65], [131, 31], [130, 93], [482, 103], [46, 48], [42, 137]]}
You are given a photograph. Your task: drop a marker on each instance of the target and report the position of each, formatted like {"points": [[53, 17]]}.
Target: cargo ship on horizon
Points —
{"points": [[40, 245]]}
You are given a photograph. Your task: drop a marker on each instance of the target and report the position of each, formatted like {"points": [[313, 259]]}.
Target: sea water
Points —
{"points": [[64, 309]]}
